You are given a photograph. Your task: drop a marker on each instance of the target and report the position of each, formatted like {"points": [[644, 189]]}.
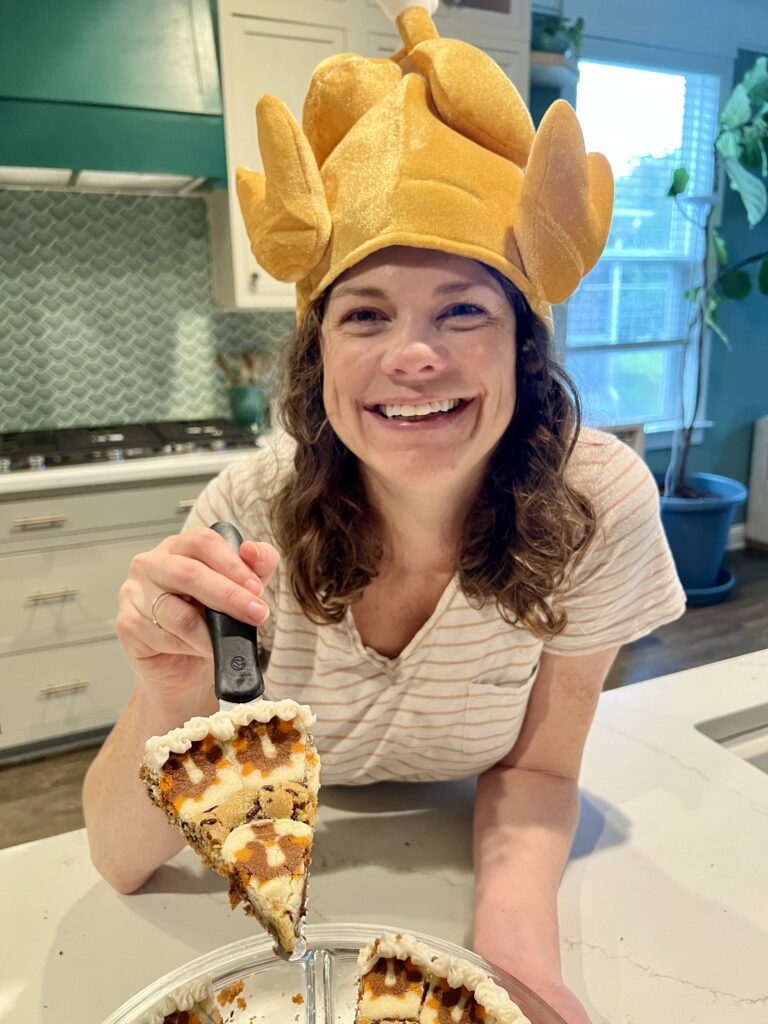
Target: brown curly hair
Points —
{"points": [[525, 527]]}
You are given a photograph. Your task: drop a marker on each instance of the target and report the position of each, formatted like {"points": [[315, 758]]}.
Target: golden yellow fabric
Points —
{"points": [[432, 148]]}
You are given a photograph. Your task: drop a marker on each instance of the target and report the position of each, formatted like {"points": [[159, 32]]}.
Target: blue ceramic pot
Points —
{"points": [[697, 528]]}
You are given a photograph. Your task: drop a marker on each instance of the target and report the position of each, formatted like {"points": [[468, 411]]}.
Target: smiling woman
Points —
{"points": [[469, 490], [459, 560]]}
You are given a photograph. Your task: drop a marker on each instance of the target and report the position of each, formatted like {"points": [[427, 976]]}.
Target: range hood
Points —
{"points": [[125, 88], [69, 180]]}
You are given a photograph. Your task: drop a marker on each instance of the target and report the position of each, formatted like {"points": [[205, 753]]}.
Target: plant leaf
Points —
{"points": [[680, 179], [755, 81], [762, 277], [727, 143], [752, 191], [738, 109], [736, 285], [751, 148], [720, 248], [710, 320]]}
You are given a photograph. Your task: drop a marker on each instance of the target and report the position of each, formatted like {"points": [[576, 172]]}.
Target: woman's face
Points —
{"points": [[419, 366]]}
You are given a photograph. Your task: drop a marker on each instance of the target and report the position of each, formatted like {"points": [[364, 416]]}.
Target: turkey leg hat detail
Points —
{"points": [[432, 148]]}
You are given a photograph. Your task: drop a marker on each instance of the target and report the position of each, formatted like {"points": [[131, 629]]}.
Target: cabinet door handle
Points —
{"points": [[38, 522], [185, 504], [57, 688], [52, 595]]}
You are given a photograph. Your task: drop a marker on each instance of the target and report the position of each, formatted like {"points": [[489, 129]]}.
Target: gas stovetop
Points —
{"points": [[76, 446]]}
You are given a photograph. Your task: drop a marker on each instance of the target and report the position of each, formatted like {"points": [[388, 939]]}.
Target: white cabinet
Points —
{"points": [[273, 46], [265, 48], [63, 558]]}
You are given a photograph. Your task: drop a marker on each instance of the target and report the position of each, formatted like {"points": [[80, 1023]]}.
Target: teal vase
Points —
{"points": [[247, 405]]}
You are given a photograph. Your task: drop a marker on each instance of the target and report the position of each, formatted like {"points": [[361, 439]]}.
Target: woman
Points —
{"points": [[460, 561]]}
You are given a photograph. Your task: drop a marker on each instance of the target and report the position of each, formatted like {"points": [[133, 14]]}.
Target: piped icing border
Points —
{"points": [[458, 972], [403, 947], [222, 725], [183, 998]]}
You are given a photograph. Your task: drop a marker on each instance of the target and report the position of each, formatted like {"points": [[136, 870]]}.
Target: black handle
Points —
{"points": [[237, 673]]}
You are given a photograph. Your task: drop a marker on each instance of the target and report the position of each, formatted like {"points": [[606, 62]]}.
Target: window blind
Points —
{"points": [[628, 321]]}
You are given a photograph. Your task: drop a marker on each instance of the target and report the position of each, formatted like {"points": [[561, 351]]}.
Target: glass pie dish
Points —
{"points": [[253, 986]]}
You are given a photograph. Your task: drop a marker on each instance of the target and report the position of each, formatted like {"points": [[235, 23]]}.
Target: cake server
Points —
{"points": [[238, 679], [237, 673]]}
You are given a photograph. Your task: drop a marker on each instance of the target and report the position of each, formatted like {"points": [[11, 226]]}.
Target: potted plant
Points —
{"points": [[552, 34], [697, 509]]}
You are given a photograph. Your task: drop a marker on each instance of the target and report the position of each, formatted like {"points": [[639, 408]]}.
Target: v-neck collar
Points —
{"points": [[442, 606]]}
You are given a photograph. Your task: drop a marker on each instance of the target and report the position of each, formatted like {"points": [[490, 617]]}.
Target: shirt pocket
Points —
{"points": [[494, 713]]}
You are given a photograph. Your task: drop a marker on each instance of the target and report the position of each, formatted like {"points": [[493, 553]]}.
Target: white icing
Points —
{"points": [[222, 726], [494, 999], [403, 947], [498, 1005], [458, 972], [394, 8], [183, 998]]}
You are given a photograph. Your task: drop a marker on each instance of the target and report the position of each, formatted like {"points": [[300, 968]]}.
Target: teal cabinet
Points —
{"points": [[151, 54], [128, 85]]}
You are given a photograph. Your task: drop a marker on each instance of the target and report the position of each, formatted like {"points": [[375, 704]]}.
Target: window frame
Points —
{"points": [[669, 59]]}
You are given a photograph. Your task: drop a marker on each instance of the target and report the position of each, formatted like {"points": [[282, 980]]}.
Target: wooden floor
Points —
{"points": [[42, 798]]}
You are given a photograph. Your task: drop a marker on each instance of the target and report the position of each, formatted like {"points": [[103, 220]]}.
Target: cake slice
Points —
{"points": [[393, 978], [268, 863], [399, 980], [193, 1003], [241, 787]]}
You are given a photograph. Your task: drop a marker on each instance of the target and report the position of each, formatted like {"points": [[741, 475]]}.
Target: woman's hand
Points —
{"points": [[194, 570]]}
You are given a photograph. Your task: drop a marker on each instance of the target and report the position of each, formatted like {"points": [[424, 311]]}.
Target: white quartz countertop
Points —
{"points": [[663, 905], [107, 474]]}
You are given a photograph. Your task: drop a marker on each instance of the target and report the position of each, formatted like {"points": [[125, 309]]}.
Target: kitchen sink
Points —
{"points": [[744, 733]]}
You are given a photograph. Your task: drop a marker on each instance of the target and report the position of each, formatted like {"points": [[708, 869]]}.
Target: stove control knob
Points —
{"points": [[5, 465], [218, 444], [115, 454], [36, 461]]}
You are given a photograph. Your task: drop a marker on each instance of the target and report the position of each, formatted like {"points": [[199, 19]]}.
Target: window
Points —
{"points": [[627, 322]]}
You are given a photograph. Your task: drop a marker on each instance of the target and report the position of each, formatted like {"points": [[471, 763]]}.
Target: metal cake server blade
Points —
{"points": [[237, 673]]}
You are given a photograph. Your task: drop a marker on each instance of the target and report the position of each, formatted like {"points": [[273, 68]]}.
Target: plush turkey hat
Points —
{"points": [[432, 148]]}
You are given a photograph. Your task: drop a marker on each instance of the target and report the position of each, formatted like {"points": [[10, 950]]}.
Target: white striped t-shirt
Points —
{"points": [[452, 703]]}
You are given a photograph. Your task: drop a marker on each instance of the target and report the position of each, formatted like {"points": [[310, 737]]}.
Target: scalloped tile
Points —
{"points": [[106, 311]]}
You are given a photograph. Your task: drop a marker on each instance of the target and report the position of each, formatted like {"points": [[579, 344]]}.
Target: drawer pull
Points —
{"points": [[58, 688], [38, 522], [185, 504], [52, 595]]}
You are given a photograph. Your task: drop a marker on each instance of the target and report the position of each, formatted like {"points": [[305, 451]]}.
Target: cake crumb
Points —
{"points": [[298, 999], [229, 993], [241, 1003]]}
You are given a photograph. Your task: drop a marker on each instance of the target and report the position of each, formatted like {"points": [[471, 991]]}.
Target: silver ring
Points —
{"points": [[153, 609]]}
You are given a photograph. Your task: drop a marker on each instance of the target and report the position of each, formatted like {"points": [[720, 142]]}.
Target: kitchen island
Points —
{"points": [[663, 907]]}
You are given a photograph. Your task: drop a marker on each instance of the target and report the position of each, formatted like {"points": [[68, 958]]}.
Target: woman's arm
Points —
{"points": [[526, 812], [129, 837]]}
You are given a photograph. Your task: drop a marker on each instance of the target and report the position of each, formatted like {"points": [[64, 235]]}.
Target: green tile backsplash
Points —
{"points": [[107, 312]]}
